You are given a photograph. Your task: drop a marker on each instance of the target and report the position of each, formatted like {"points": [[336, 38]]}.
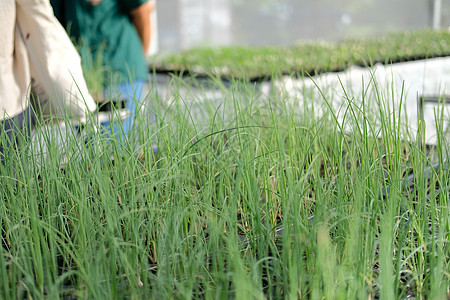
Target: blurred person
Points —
{"points": [[37, 59], [118, 31]]}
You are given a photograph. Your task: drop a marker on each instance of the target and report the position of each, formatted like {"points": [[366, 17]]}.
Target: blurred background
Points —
{"points": [[184, 24]]}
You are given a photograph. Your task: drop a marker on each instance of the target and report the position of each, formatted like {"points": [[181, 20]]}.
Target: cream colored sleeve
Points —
{"points": [[55, 63]]}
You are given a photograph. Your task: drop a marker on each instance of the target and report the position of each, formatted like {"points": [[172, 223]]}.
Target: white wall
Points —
{"points": [[154, 45]]}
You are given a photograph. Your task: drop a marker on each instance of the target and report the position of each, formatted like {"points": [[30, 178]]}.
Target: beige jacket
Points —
{"points": [[35, 52]]}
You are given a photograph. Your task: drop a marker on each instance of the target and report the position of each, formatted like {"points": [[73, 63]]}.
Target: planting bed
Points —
{"points": [[246, 197], [260, 203], [305, 58]]}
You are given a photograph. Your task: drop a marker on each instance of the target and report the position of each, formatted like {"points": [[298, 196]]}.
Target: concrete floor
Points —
{"points": [[396, 88]]}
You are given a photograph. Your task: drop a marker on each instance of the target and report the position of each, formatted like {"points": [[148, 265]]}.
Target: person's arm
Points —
{"points": [[54, 62], [140, 17]]}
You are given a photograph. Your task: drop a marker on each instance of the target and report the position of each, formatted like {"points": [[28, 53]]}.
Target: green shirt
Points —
{"points": [[105, 32]]}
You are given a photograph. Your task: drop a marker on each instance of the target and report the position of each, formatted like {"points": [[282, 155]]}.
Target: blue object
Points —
{"points": [[134, 95], [117, 125]]}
